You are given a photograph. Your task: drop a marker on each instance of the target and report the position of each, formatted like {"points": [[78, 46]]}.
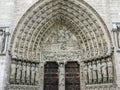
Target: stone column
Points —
{"points": [[82, 76], [61, 76], [41, 75]]}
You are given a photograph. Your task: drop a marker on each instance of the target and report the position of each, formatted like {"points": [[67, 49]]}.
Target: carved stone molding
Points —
{"points": [[61, 56], [77, 16], [22, 87]]}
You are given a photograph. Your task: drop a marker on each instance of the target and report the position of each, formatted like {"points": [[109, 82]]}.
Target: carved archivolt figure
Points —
{"points": [[99, 73]]}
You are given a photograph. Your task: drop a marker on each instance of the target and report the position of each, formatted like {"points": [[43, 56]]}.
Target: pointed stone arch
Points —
{"points": [[79, 17]]}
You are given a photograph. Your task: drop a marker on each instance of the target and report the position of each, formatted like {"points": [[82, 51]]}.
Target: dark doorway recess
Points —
{"points": [[72, 76], [51, 76]]}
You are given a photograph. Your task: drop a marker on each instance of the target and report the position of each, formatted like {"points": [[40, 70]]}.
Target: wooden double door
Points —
{"points": [[51, 76]]}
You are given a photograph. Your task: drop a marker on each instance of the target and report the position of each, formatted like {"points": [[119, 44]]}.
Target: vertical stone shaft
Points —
{"points": [[61, 76]]}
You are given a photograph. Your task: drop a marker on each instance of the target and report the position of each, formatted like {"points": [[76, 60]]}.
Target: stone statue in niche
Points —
{"points": [[19, 68], [32, 73], [99, 73], [23, 72], [110, 70], [28, 73], [104, 71], [94, 72], [61, 77], [2, 40], [12, 72], [86, 73], [90, 72], [37, 74]]}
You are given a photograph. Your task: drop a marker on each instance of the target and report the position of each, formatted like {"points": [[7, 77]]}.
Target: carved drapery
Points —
{"points": [[4, 35], [99, 71], [24, 73]]}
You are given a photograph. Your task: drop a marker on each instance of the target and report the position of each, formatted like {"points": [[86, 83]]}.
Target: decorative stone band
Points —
{"points": [[22, 87], [61, 55], [101, 87]]}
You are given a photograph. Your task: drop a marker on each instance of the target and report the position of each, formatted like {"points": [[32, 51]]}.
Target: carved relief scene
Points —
{"points": [[61, 45], [60, 37]]}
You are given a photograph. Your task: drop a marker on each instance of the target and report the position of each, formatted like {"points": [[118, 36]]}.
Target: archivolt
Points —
{"points": [[76, 15]]}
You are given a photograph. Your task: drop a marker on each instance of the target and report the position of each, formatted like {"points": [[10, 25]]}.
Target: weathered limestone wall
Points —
{"points": [[103, 9], [21, 6], [12, 10]]}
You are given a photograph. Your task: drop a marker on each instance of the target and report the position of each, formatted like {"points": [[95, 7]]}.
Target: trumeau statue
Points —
{"points": [[2, 40]]}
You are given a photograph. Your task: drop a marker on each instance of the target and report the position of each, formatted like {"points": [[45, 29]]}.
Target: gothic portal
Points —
{"points": [[61, 45]]}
